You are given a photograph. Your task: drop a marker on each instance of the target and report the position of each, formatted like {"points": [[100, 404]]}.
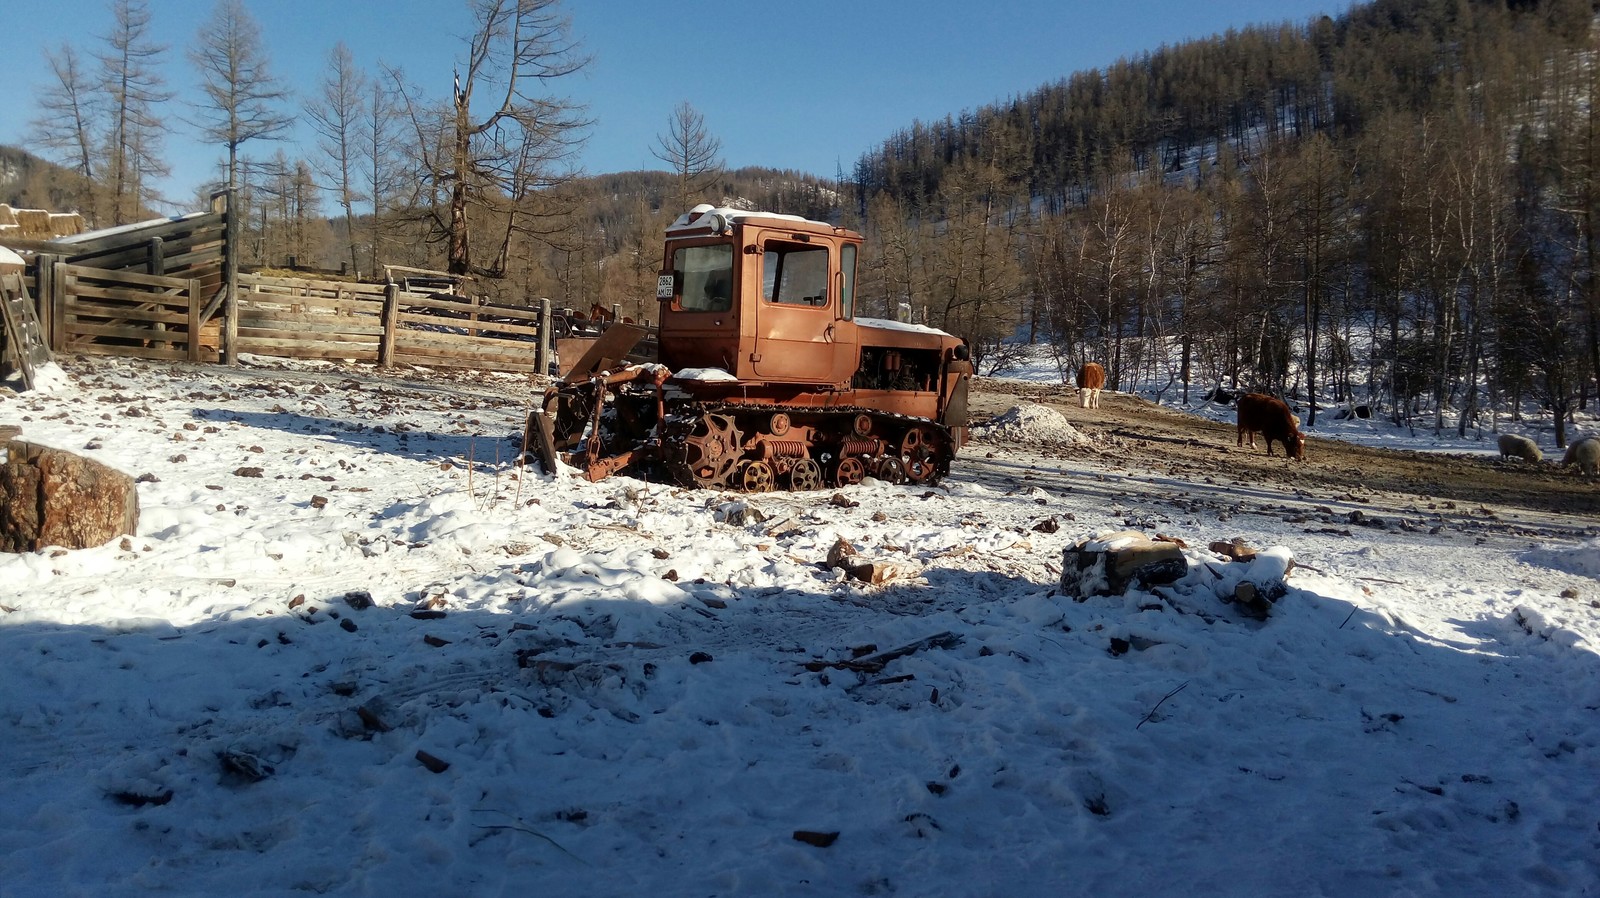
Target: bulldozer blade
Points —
{"points": [[611, 348]]}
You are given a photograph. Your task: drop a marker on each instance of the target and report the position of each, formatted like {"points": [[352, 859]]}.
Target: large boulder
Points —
{"points": [[51, 497]]}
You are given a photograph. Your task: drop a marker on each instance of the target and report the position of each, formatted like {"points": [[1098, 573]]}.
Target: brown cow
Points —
{"points": [[1270, 417], [1091, 379]]}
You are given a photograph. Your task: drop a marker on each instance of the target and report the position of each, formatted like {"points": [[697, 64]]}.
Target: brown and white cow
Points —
{"points": [[1091, 379], [1270, 417]]}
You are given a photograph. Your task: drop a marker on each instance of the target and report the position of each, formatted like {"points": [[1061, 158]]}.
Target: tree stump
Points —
{"points": [[1108, 564], [51, 497]]}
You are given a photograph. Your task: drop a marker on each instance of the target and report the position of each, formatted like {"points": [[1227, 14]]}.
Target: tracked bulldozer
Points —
{"points": [[767, 376]]}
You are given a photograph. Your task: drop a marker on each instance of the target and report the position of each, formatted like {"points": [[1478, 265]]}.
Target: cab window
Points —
{"points": [[847, 268], [704, 275], [795, 273]]}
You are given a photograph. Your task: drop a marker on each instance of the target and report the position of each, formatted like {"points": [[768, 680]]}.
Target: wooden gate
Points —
{"points": [[122, 313]]}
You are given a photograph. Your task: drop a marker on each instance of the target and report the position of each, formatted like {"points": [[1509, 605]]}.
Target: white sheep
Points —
{"points": [[1584, 453], [1514, 446]]}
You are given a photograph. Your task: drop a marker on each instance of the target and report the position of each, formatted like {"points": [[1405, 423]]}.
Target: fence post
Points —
{"points": [[542, 359], [230, 280], [44, 296], [58, 304], [616, 313], [391, 318], [158, 256], [472, 318], [194, 318]]}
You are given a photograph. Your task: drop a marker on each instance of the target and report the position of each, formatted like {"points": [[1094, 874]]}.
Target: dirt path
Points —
{"points": [[1139, 438]]}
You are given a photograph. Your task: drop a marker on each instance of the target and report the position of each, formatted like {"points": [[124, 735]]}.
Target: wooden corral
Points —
{"points": [[157, 290]]}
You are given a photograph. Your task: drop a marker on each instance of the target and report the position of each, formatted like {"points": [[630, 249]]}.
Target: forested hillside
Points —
{"points": [[1399, 203]]}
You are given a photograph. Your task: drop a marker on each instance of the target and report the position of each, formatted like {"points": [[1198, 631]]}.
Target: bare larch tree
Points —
{"points": [[691, 150], [133, 87], [240, 95], [478, 161], [338, 114]]}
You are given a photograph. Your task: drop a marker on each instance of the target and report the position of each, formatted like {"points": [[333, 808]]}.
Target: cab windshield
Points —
{"points": [[704, 275]]}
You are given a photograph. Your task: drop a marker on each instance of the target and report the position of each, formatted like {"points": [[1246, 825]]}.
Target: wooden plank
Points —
{"points": [[82, 310], [83, 330], [137, 352], [301, 351], [206, 256], [193, 323], [331, 323], [327, 305], [466, 342], [484, 328], [330, 287], [101, 276], [286, 340], [467, 309], [261, 328], [466, 346], [90, 293], [446, 361]]}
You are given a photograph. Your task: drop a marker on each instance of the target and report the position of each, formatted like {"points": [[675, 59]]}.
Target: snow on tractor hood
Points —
{"points": [[908, 327]]}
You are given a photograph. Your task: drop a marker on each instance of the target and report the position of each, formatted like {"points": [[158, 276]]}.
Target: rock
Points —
{"points": [[739, 514], [1106, 565], [434, 764], [50, 497], [840, 553], [244, 766]]}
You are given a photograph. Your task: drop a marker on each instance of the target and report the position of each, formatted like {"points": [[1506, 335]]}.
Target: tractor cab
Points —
{"points": [[766, 298]]}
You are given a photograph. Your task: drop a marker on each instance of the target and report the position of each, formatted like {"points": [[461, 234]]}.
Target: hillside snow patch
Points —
{"points": [[1029, 424]]}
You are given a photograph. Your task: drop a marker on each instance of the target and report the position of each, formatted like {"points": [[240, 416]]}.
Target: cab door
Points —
{"points": [[797, 297]]}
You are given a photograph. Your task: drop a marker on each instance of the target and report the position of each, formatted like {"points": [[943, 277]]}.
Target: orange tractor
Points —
{"points": [[767, 376]]}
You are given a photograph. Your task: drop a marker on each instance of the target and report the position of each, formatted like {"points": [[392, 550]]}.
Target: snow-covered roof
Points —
{"points": [[699, 217], [123, 229]]}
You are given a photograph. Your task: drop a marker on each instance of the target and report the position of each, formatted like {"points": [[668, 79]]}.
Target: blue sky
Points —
{"points": [[808, 87]]}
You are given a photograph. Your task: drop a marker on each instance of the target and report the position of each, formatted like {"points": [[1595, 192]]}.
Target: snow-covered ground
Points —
{"points": [[355, 650]]}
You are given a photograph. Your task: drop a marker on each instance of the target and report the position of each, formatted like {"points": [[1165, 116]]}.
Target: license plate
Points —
{"points": [[664, 286]]}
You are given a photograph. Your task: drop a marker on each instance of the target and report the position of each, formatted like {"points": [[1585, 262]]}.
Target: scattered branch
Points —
{"points": [[1152, 714]]}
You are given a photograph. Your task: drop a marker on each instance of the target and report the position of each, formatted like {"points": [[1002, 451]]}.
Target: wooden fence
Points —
{"points": [[156, 290], [379, 323]]}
